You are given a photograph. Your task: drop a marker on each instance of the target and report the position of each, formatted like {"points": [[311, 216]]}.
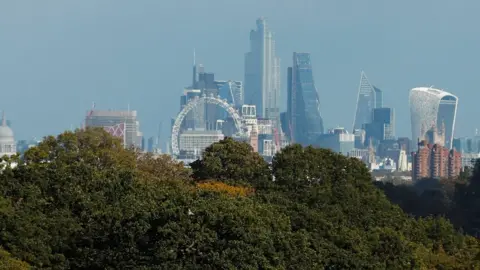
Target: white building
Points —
{"points": [[8, 146], [432, 107], [194, 142], [262, 73]]}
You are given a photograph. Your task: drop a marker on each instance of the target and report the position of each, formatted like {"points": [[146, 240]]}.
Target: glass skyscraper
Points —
{"points": [[433, 107], [303, 108], [262, 73], [369, 98]]}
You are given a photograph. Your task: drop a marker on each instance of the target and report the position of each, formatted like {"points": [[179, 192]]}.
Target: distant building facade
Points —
{"points": [[382, 126], [195, 119], [232, 91], [435, 161], [303, 104], [194, 142], [121, 124], [337, 140], [432, 107]]}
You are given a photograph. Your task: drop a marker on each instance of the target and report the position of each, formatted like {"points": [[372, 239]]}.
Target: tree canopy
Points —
{"points": [[82, 201]]}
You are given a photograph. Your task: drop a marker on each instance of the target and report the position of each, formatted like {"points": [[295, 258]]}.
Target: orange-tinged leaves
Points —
{"points": [[221, 187]]}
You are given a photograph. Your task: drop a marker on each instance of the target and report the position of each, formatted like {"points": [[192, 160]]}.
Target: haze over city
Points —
{"points": [[58, 57]]}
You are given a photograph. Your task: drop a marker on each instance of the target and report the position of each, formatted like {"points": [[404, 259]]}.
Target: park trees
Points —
{"points": [[82, 201]]}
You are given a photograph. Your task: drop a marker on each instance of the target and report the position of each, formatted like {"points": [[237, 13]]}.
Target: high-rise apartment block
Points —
{"points": [[435, 161], [262, 73], [122, 124], [303, 104]]}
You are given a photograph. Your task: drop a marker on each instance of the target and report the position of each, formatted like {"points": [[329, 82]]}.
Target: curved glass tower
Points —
{"points": [[431, 107], [306, 123]]}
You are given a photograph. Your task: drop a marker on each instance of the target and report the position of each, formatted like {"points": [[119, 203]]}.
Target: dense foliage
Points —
{"points": [[82, 201], [455, 199]]}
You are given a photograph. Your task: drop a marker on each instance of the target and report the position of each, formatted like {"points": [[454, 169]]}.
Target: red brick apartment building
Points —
{"points": [[435, 161]]}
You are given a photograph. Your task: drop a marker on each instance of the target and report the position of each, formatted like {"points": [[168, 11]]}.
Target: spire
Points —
{"points": [[194, 79], [4, 120]]}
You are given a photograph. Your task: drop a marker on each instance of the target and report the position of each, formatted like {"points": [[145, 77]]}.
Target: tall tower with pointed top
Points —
{"points": [[369, 98], [262, 73]]}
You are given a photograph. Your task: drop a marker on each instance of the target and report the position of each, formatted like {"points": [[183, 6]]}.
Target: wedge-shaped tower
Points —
{"points": [[369, 98], [303, 108], [429, 108]]}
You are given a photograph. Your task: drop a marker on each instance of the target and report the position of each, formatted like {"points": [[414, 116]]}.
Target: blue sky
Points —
{"points": [[57, 56]]}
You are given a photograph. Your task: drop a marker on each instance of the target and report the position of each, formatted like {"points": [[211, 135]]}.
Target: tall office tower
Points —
{"points": [[383, 125], [369, 98], [432, 107], [262, 73], [303, 105], [122, 124]]}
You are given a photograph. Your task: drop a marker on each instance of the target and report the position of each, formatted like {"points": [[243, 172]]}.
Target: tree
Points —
{"points": [[81, 200], [232, 160], [9, 263]]}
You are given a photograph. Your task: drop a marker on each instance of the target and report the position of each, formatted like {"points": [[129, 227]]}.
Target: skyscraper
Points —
{"points": [[369, 98], [303, 108], [262, 73], [431, 107]]}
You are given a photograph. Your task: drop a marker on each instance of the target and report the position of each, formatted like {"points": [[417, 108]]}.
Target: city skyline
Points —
{"points": [[53, 63]]}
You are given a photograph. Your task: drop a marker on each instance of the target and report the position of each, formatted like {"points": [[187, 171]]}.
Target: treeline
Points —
{"points": [[81, 201], [456, 199]]}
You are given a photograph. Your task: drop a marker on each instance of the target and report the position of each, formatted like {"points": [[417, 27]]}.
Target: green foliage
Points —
{"points": [[82, 201], [231, 160], [9, 263]]}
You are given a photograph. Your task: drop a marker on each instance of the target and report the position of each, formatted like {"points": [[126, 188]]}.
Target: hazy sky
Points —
{"points": [[57, 56]]}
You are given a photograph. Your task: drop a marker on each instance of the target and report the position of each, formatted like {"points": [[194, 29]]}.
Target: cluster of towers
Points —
{"points": [[372, 136]]}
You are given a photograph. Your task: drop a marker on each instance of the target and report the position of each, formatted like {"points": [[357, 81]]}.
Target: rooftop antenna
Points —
{"points": [[194, 57]]}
